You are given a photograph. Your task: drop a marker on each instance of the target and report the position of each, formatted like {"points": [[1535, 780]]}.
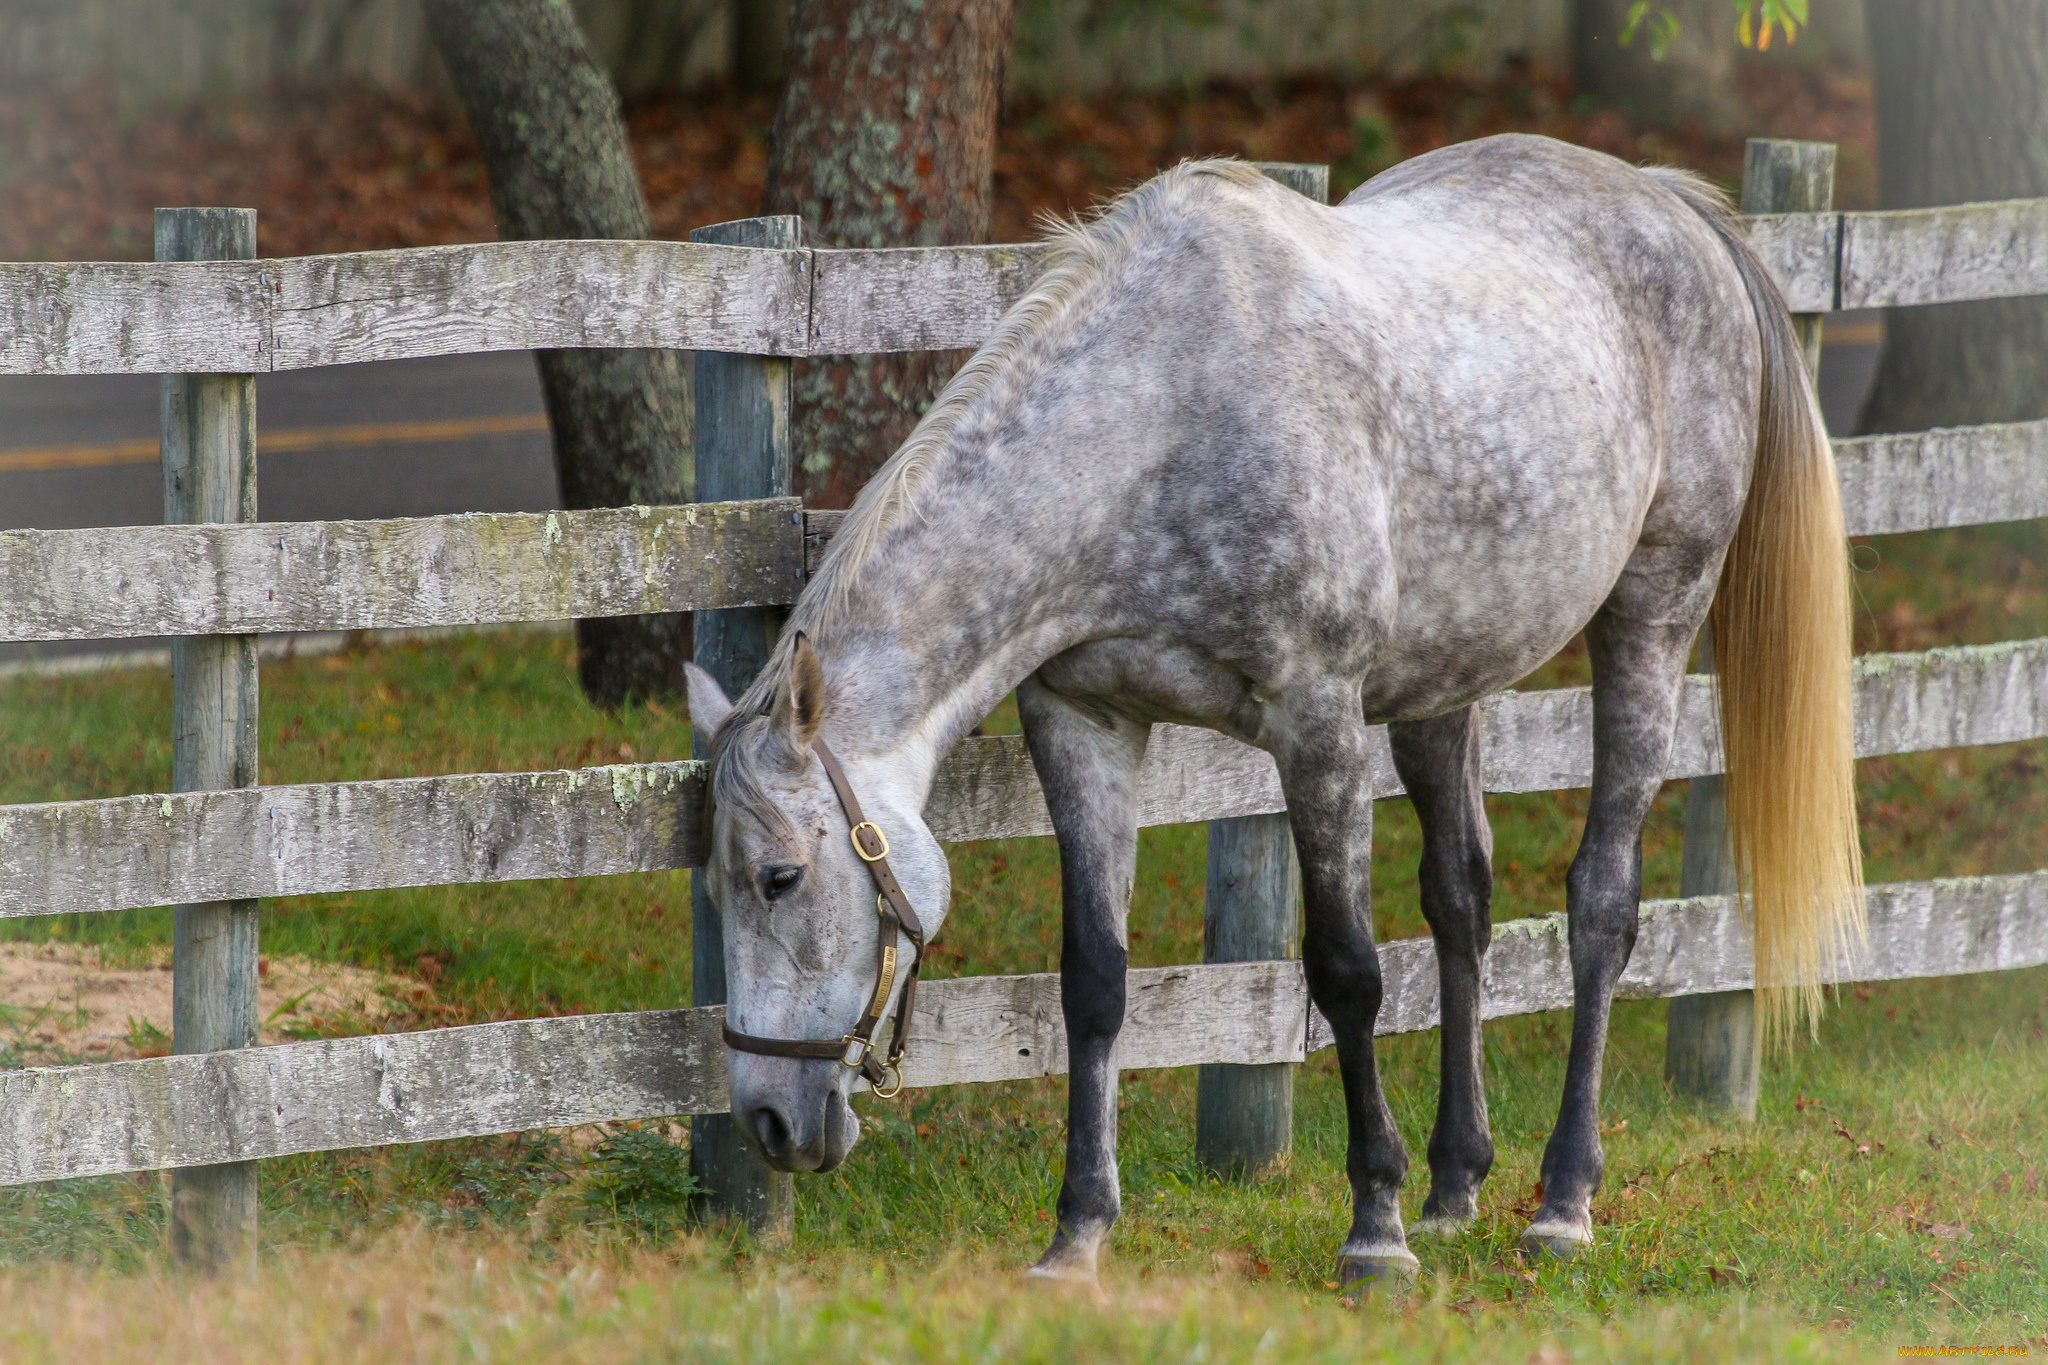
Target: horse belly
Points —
{"points": [[1485, 601]]}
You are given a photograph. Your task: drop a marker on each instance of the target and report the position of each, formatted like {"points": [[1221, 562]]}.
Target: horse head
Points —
{"points": [[825, 897]]}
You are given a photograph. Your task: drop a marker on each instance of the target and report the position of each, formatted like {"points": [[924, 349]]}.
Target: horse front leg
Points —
{"points": [[1087, 762], [1438, 760], [1325, 773], [1637, 669]]}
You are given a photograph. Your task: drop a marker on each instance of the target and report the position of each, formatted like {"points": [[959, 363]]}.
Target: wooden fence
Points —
{"points": [[242, 843]]}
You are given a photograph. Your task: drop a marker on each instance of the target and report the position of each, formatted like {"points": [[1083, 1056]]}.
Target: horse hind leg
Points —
{"points": [[1638, 667], [1321, 750], [1088, 766], [1438, 760]]}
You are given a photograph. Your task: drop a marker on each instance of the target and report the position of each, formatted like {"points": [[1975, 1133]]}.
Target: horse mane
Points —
{"points": [[1080, 252]]}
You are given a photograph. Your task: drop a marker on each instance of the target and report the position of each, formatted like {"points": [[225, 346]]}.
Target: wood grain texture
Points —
{"points": [[208, 450], [415, 571], [1937, 928], [1952, 476], [470, 569], [347, 836], [510, 296], [538, 1073], [101, 317], [1943, 255], [916, 298], [62, 1122], [1799, 251], [297, 312], [351, 836], [358, 1092]]}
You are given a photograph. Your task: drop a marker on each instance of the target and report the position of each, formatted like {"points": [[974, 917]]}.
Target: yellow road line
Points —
{"points": [[1867, 333], [273, 442]]}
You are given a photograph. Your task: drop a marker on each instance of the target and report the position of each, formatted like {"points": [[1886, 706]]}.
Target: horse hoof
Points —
{"points": [[1389, 1273], [1559, 1240], [1064, 1280], [1440, 1225]]}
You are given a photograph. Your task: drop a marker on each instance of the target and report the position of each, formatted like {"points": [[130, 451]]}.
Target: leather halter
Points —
{"points": [[856, 1049]]}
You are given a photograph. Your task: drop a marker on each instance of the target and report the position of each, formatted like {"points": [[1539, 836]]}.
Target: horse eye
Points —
{"points": [[780, 881]]}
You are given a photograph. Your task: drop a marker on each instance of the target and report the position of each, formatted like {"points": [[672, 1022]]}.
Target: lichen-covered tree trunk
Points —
{"points": [[1693, 84], [1962, 114], [547, 118], [885, 137]]}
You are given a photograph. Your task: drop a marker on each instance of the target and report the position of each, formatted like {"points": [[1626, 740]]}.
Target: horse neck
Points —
{"points": [[898, 709], [938, 628]]}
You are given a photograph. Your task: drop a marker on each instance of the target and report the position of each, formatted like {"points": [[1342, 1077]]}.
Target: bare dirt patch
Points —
{"points": [[59, 1003]]}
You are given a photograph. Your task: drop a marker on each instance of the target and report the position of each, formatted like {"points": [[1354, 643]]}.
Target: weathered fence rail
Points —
{"points": [[755, 303], [127, 852], [252, 317], [59, 1122], [485, 568]]}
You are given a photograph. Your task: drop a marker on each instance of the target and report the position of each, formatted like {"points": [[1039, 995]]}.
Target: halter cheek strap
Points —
{"points": [[856, 1048]]}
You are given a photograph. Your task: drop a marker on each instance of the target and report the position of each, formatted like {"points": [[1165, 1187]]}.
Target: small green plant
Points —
{"points": [[1654, 23], [641, 1179], [1755, 21], [147, 1039]]}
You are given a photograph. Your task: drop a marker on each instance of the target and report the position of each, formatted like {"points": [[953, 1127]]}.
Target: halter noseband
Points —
{"points": [[856, 1049]]}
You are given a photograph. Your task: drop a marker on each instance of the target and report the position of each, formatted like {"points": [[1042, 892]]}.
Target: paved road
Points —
{"points": [[392, 439]]}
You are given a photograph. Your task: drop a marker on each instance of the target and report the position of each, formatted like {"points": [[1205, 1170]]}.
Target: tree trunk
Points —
{"points": [[1962, 114], [1694, 84], [548, 121], [885, 137]]}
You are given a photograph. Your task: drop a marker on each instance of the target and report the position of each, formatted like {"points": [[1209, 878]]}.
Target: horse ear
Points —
{"points": [[708, 704], [798, 712]]}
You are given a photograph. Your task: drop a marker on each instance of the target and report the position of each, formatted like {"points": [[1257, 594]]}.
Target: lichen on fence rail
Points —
{"points": [[130, 851], [60, 1122], [295, 312], [467, 569]]}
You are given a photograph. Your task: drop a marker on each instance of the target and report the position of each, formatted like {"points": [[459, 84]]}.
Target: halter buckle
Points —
{"points": [[857, 1049], [862, 853]]}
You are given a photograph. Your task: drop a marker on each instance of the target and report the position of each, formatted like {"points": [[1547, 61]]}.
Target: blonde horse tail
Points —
{"points": [[1781, 626]]}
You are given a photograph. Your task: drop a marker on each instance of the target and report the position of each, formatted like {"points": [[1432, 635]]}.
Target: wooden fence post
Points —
{"points": [[1711, 1044], [209, 467], [1244, 1115], [743, 451]]}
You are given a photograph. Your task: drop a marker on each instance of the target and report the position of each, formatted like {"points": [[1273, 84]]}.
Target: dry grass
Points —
{"points": [[415, 1296]]}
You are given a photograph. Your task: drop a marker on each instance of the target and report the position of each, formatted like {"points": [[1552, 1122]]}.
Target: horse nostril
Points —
{"points": [[772, 1132]]}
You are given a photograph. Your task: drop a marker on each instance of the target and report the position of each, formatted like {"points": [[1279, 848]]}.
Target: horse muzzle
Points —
{"points": [[804, 1124]]}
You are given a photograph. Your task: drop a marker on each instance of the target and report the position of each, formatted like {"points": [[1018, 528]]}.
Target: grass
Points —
{"points": [[421, 1297], [1890, 1191]]}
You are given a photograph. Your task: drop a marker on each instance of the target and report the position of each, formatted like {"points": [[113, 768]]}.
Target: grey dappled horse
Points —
{"points": [[1287, 471]]}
